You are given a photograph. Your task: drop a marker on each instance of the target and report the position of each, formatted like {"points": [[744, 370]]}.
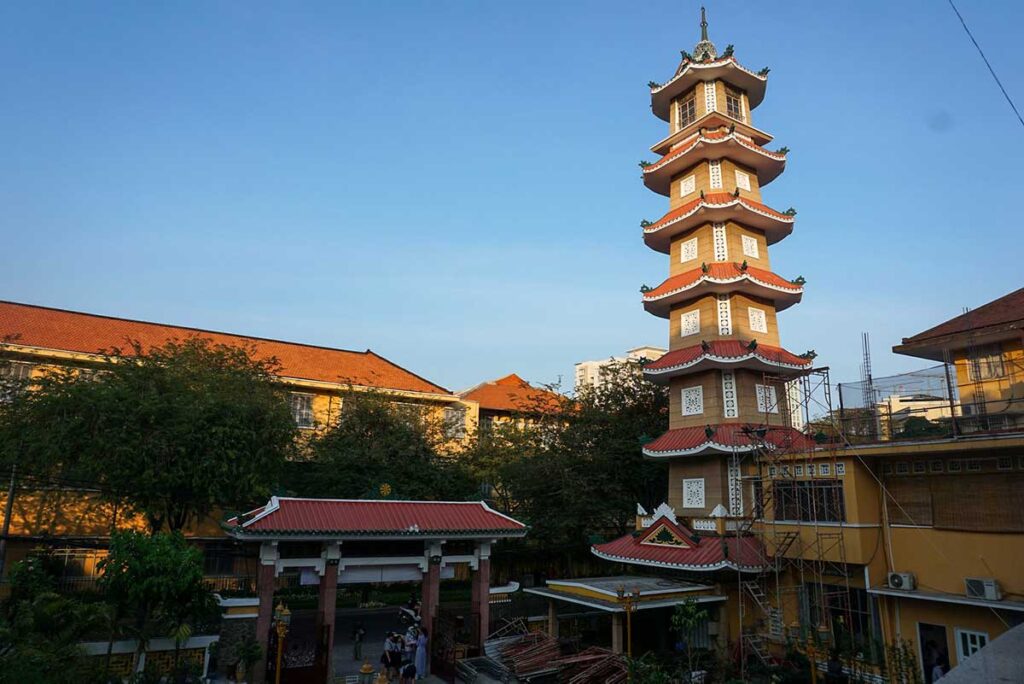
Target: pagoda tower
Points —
{"points": [[727, 372]]}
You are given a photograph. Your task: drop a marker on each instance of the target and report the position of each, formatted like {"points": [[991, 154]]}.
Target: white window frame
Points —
{"points": [[750, 247], [696, 393], [698, 499], [758, 319], [715, 173], [688, 185], [720, 241], [690, 247], [767, 399], [961, 655], [742, 180], [296, 417], [840, 469], [689, 316]]}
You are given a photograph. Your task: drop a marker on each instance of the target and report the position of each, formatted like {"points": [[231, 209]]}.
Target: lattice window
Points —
{"points": [[693, 492], [721, 243], [918, 468], [724, 315], [758, 319], [689, 323], [735, 487], [688, 250], [810, 470], [734, 104], [729, 404], [710, 97], [936, 466], [825, 469], [767, 402], [798, 471], [750, 247], [715, 166], [686, 112], [687, 186], [840, 469], [742, 180], [955, 466], [693, 401]]}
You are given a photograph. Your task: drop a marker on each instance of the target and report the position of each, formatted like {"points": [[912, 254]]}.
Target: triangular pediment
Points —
{"points": [[665, 533]]}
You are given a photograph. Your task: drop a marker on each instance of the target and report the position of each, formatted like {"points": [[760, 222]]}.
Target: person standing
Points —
{"points": [[421, 654], [358, 632]]}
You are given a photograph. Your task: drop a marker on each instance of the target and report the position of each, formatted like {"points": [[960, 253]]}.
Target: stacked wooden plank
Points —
{"points": [[591, 666], [532, 654]]}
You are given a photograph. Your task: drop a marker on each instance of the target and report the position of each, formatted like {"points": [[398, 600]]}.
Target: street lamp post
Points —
{"points": [[282, 618]]}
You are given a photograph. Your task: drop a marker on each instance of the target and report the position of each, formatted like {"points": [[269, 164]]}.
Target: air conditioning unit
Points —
{"points": [[982, 588], [900, 580]]}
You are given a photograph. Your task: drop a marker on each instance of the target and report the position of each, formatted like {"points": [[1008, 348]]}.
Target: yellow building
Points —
{"points": [[320, 381], [511, 399]]}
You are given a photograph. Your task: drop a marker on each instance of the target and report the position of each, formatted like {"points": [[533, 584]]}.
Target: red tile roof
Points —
{"points": [[697, 138], [725, 437], [1006, 310], [70, 331], [705, 553], [726, 349], [513, 394], [289, 516], [716, 199], [721, 271]]}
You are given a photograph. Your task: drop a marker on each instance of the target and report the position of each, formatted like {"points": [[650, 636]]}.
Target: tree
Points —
{"points": [[177, 431], [379, 450], [581, 471], [157, 580], [686, 618]]}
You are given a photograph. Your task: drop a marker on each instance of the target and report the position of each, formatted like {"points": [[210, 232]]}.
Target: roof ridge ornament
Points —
{"points": [[704, 51]]}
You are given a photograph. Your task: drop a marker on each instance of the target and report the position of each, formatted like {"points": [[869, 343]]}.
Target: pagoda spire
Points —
{"points": [[705, 49]]}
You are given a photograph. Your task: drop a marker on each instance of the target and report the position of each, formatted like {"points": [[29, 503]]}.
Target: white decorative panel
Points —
{"points": [[742, 180], [730, 407], [687, 186], [840, 469], [798, 471], [766, 399], [688, 250], [758, 319], [826, 469], [735, 487], [720, 242], [750, 247], [693, 401], [689, 323], [724, 315], [715, 168], [693, 492], [710, 96], [703, 525], [810, 470]]}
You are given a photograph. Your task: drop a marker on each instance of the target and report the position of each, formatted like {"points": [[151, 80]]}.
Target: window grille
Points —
{"points": [[810, 500], [767, 401], [742, 180], [693, 492], [689, 323], [758, 319], [715, 171], [985, 362], [730, 407], [302, 409], [687, 186], [724, 315], [688, 250], [721, 242], [693, 401], [455, 422], [710, 97], [750, 247]]}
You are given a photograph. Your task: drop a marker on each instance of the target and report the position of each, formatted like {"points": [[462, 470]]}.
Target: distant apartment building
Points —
{"points": [[589, 373]]}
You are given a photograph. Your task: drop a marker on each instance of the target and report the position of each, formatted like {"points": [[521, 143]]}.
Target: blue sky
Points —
{"points": [[455, 184]]}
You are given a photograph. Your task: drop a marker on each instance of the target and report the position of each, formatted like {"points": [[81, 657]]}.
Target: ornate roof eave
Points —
{"points": [[748, 283], [755, 359], [726, 69], [722, 565], [698, 441], [711, 121], [768, 165], [714, 208]]}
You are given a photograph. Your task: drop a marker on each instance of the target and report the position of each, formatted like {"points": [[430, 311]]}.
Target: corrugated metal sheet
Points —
{"points": [[386, 517], [707, 552]]}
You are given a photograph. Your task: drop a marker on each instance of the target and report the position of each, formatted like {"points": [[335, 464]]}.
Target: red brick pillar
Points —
{"points": [[481, 600], [265, 613], [325, 612]]}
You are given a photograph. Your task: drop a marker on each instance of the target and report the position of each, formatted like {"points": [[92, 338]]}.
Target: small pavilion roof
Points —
{"points": [[744, 553], [690, 73], [360, 518], [515, 395], [724, 353], [725, 438]]}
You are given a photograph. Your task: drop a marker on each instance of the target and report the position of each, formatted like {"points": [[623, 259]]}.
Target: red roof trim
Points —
{"points": [[720, 272], [725, 438], [743, 553], [725, 350], [716, 200]]}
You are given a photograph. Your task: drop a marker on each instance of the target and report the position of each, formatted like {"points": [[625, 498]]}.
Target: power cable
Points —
{"points": [[985, 59]]}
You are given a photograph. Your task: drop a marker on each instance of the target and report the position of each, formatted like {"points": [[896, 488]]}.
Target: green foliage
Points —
{"points": [[902, 663], [647, 669], [580, 471], [919, 426], [380, 449], [158, 580], [32, 577], [686, 618], [39, 640], [178, 431]]}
